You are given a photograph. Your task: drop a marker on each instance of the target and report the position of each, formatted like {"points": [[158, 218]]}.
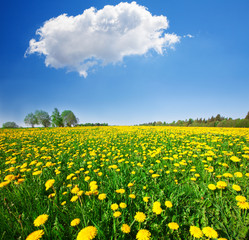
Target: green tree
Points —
{"points": [[10, 125], [31, 119], [69, 118], [43, 118], [57, 120], [247, 116]]}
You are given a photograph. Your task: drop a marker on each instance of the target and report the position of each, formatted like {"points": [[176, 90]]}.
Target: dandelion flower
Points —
{"points": [[243, 205], [173, 226], [132, 196], [238, 174], [196, 232], [168, 204], [211, 186], [240, 198], [123, 205], [125, 228], [40, 220], [143, 234], [146, 199], [102, 196], [75, 190], [114, 206], [49, 183], [221, 185], [140, 217], [237, 188], [117, 214], [87, 233], [209, 232], [75, 222], [36, 235], [235, 159], [74, 198]]}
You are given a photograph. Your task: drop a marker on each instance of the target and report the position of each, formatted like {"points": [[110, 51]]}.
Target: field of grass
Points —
{"points": [[124, 183]]}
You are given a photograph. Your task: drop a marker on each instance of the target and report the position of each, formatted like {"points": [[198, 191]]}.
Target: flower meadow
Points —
{"points": [[124, 183]]}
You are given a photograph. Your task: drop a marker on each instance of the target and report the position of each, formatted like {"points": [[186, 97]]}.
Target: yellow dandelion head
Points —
{"points": [[173, 226], [75, 222], [209, 232], [140, 217], [40, 220], [87, 233], [195, 232], [36, 235], [125, 228], [143, 234]]}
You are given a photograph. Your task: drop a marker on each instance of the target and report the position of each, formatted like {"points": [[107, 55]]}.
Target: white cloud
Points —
{"points": [[101, 37], [188, 36]]}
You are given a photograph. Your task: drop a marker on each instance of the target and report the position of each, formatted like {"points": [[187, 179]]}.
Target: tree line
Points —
{"points": [[66, 119], [217, 121]]}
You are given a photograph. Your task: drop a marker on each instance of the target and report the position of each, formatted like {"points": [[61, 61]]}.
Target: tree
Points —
{"points": [[43, 118], [31, 119], [247, 116], [57, 120], [10, 125], [69, 118]]}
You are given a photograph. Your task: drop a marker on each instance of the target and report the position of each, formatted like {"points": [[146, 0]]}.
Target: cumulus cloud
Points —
{"points": [[106, 36]]}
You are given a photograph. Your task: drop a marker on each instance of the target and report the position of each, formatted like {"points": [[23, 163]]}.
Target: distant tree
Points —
{"points": [[247, 116], [31, 119], [43, 118], [69, 118], [159, 123], [218, 118], [57, 120], [190, 121], [10, 125]]}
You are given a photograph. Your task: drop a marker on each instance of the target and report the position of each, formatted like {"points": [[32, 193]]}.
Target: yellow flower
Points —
{"points": [[143, 234], [125, 228], [196, 232], [74, 198], [236, 188], [36, 235], [40, 220], [49, 183], [102, 196], [63, 203], [221, 185], [146, 199], [123, 205], [209, 232], [117, 214], [75, 190], [120, 191], [235, 159], [243, 205], [75, 222], [240, 198], [173, 226], [132, 196], [114, 206], [87, 233], [140, 217], [211, 186], [157, 208], [168, 204], [238, 174]]}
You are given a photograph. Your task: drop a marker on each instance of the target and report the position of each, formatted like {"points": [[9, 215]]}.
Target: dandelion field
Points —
{"points": [[124, 183]]}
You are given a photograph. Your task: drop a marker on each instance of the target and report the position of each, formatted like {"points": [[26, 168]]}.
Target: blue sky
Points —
{"points": [[200, 77]]}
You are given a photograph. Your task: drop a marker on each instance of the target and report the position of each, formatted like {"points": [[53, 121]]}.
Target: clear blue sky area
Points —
{"points": [[201, 76]]}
